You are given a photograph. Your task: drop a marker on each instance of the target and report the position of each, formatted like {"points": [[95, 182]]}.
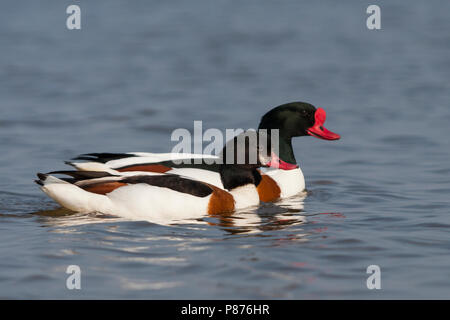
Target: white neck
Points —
{"points": [[245, 196]]}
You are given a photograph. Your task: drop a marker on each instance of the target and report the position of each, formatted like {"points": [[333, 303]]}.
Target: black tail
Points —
{"points": [[42, 177]]}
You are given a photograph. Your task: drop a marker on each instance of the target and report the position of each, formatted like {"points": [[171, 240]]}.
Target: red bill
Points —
{"points": [[318, 130]]}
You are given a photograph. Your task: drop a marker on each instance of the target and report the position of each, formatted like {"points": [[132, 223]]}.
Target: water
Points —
{"points": [[136, 72]]}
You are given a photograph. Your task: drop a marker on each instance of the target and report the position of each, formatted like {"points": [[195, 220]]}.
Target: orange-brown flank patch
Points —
{"points": [[146, 167], [268, 189], [103, 188], [220, 201]]}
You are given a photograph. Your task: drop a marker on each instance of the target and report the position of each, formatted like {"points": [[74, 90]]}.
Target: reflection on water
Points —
{"points": [[140, 246], [270, 216], [62, 217]]}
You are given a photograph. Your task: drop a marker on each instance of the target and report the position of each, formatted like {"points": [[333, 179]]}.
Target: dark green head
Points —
{"points": [[296, 119]]}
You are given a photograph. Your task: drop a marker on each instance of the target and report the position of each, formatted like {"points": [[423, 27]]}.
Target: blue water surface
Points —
{"points": [[138, 70]]}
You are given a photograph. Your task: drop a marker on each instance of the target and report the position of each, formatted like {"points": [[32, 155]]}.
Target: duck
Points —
{"points": [[161, 197], [285, 178]]}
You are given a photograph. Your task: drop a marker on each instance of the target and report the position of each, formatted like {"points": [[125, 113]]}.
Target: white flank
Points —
{"points": [[155, 204], [245, 196], [137, 202]]}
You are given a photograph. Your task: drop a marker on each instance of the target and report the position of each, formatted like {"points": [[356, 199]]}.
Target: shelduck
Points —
{"points": [[293, 119], [158, 196]]}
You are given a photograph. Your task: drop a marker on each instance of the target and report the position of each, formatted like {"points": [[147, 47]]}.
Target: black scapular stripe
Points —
{"points": [[177, 183], [103, 157], [171, 164], [81, 175]]}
